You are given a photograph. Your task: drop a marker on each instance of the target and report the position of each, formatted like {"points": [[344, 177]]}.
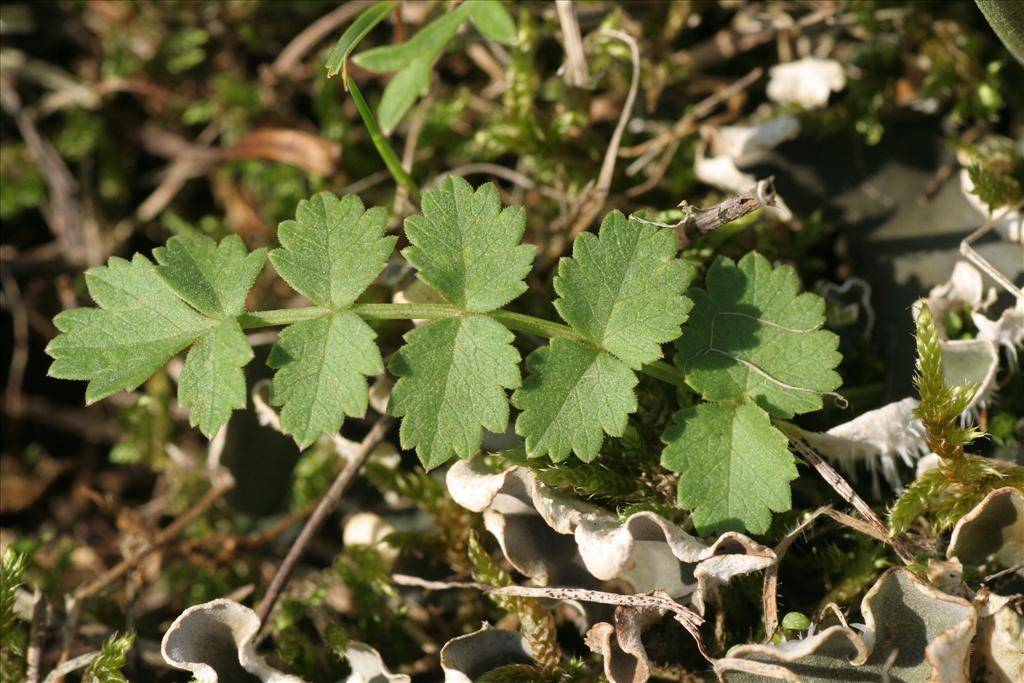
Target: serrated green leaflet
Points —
{"points": [[751, 334], [333, 249], [214, 279], [452, 380], [322, 367], [467, 247], [572, 396], [331, 253], [212, 383], [149, 313], [734, 466], [139, 325], [622, 289]]}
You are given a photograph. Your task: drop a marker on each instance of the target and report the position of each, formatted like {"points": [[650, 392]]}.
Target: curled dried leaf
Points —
{"points": [[557, 539], [215, 641]]}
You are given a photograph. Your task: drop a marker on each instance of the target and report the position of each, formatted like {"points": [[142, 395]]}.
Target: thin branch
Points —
{"points": [[575, 59], [323, 510], [703, 221], [843, 488], [769, 592], [687, 125], [13, 398], [689, 619], [977, 259], [594, 200], [79, 662], [36, 638]]}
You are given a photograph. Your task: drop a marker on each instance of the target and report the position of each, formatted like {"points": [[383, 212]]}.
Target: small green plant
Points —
{"points": [[106, 668], [961, 480], [753, 347], [413, 60], [12, 634], [536, 623]]}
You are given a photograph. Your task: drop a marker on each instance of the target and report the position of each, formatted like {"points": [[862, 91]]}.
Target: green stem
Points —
{"points": [[519, 322], [387, 153]]}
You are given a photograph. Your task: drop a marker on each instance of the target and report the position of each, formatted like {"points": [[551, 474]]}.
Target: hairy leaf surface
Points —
{"points": [[452, 380], [623, 289], [322, 367], [572, 396], [149, 313], [212, 383], [751, 334], [466, 246], [734, 466], [213, 278], [139, 325], [333, 249]]}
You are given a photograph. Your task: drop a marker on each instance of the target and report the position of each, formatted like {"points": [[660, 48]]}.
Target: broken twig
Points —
{"points": [[689, 619], [842, 487], [700, 222]]}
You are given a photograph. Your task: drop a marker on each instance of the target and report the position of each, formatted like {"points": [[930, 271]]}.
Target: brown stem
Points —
{"points": [[843, 488], [702, 221], [323, 509]]}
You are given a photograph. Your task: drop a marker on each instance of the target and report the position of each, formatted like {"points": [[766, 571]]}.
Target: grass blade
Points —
{"points": [[353, 35]]}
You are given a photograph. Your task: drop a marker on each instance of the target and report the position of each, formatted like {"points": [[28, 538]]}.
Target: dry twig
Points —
{"points": [[687, 125], [223, 482], [769, 592], [842, 487], [594, 198], [575, 59], [13, 403], [323, 509], [36, 638], [703, 221], [689, 619]]}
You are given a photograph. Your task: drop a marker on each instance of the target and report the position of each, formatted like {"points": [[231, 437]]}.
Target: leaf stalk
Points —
{"points": [[518, 322]]}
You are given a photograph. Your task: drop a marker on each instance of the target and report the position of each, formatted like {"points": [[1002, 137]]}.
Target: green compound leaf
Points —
{"points": [[413, 60], [426, 45], [452, 380], [734, 466], [214, 279], [212, 383], [752, 335], [572, 396], [322, 367], [139, 325], [149, 313], [333, 249], [467, 247], [622, 289]]}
